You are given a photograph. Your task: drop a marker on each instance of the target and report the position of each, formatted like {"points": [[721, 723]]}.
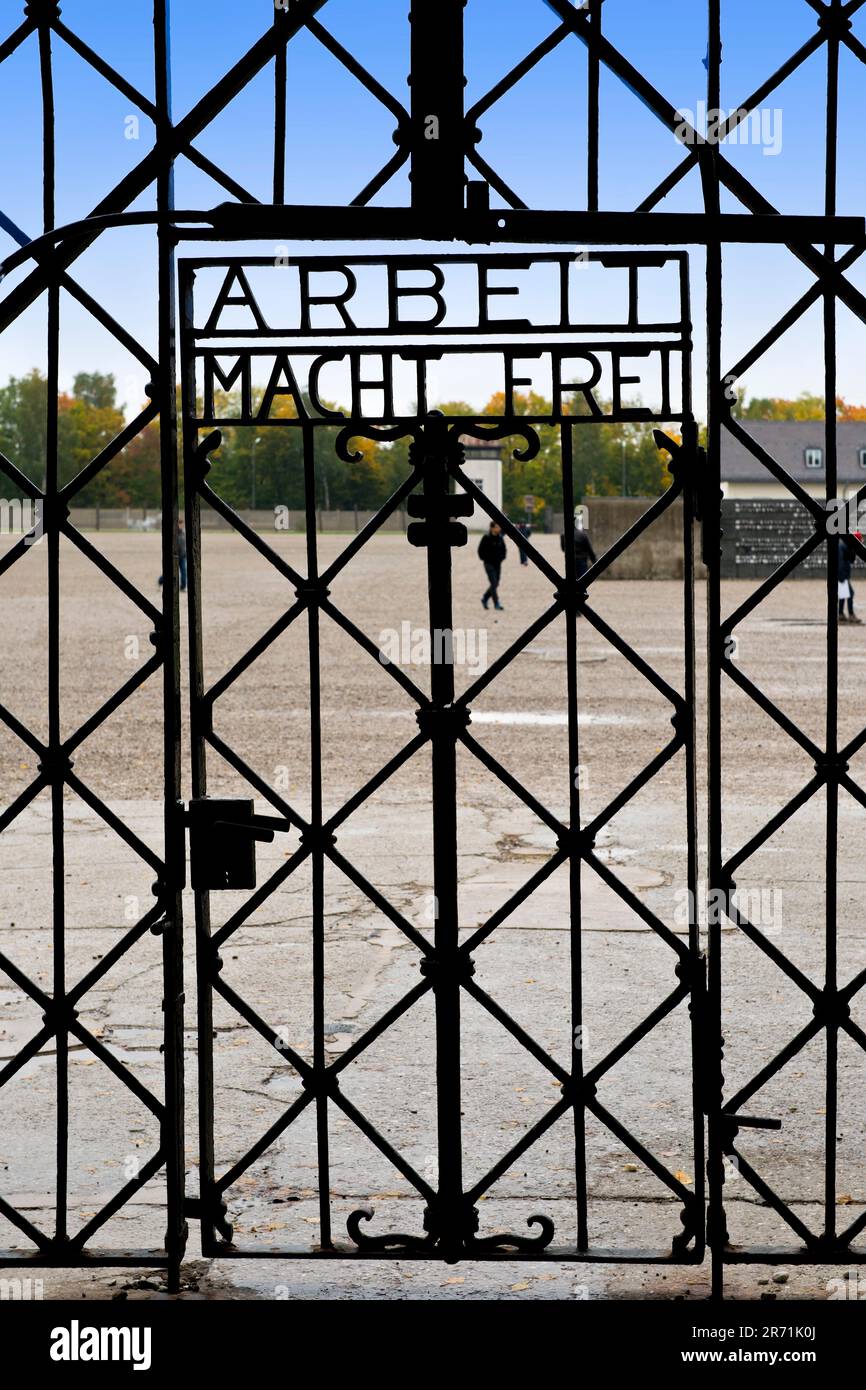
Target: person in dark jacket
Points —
{"points": [[526, 531], [491, 550], [847, 556], [181, 557], [584, 555]]}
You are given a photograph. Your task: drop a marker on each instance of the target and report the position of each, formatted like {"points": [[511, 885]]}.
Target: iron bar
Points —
{"points": [[712, 1072], [436, 84], [575, 862], [170, 886], [317, 839], [831, 981], [449, 1214]]}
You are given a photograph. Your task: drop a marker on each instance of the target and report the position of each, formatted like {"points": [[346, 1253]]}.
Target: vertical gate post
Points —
{"points": [[437, 83], [175, 850], [714, 1080], [446, 1223], [209, 1207]]}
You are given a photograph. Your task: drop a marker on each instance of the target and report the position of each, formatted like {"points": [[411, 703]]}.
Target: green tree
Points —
{"points": [[137, 471], [598, 451], [95, 389], [86, 424], [805, 407], [23, 424]]}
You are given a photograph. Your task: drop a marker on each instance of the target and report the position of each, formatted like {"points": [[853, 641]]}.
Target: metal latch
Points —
{"points": [[731, 1124], [222, 842]]}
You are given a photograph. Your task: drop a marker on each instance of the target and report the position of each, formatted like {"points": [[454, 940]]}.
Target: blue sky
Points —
{"points": [[339, 136]]}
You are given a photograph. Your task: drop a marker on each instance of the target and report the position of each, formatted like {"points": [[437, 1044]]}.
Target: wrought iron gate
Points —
{"points": [[444, 207], [451, 1217]]}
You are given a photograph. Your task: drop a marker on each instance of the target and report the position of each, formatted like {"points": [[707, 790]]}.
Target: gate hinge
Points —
{"points": [[688, 466], [215, 1212], [222, 841], [708, 509], [701, 491], [173, 880]]}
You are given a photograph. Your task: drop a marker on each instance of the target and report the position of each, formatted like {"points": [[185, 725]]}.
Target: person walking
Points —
{"points": [[181, 557], [584, 555], [847, 556], [491, 550], [525, 531]]}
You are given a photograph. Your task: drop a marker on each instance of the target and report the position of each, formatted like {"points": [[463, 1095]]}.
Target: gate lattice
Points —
{"points": [[443, 208], [451, 1215]]}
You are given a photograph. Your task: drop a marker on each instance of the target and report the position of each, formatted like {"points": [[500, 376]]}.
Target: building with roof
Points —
{"points": [[763, 522], [799, 446], [484, 468]]}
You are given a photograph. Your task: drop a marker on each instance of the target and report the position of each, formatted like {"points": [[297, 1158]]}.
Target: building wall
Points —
{"points": [[656, 554], [773, 491], [760, 534], [135, 519], [769, 491], [487, 475]]}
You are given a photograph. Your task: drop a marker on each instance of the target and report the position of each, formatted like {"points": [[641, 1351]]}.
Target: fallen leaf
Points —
{"points": [[844, 1200], [630, 1168], [683, 1177], [518, 1288], [458, 1279]]}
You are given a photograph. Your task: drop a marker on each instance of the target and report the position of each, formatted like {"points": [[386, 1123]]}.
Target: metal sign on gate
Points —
{"points": [[586, 349]]}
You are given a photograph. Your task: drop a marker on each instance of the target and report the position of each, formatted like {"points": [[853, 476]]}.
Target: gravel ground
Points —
{"points": [[366, 717]]}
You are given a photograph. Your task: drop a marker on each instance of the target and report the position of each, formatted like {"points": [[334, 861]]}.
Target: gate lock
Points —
{"points": [[222, 842]]}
